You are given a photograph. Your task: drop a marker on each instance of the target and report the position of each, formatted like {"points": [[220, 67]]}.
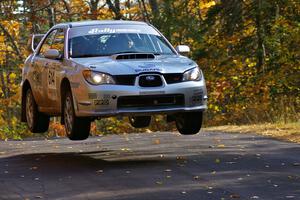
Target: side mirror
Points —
{"points": [[35, 40], [52, 54], [183, 49]]}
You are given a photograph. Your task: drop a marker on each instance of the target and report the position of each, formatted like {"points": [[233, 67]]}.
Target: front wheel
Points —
{"points": [[189, 123], [77, 128], [37, 122]]}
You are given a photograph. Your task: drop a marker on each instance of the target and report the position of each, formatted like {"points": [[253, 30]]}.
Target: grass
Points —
{"points": [[288, 132]]}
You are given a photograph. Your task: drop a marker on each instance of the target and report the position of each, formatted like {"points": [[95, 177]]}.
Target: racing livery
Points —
{"points": [[83, 71]]}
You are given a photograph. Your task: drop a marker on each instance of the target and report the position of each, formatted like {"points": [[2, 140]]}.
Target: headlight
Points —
{"points": [[97, 78], [192, 75]]}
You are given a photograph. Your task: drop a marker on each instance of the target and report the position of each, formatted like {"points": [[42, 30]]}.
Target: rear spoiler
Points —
{"points": [[35, 40]]}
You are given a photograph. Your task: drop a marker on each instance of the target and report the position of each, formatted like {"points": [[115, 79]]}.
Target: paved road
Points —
{"points": [[150, 167]]}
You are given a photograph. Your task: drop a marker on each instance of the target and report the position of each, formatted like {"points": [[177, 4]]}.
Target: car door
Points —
{"points": [[53, 71], [39, 77]]}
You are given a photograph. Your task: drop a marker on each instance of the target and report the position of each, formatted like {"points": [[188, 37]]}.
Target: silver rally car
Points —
{"points": [[87, 70]]}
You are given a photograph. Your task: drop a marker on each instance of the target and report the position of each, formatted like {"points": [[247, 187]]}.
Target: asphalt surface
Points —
{"points": [[152, 166]]}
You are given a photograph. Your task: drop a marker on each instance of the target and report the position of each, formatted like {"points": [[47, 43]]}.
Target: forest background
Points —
{"points": [[249, 51]]}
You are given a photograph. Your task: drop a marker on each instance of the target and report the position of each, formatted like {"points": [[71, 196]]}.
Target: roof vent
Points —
{"points": [[134, 56]]}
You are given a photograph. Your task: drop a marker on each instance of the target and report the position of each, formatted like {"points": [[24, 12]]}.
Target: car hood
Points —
{"points": [[160, 64]]}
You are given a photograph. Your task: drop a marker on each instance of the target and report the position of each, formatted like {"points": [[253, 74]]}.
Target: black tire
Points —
{"points": [[189, 123], [77, 128], [37, 122], [140, 121]]}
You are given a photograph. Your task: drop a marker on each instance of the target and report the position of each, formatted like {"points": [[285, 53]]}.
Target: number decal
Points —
{"points": [[51, 79]]}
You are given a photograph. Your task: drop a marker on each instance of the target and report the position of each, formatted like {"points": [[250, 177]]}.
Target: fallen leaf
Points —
{"points": [[290, 197], [159, 182], [33, 168], [157, 141]]}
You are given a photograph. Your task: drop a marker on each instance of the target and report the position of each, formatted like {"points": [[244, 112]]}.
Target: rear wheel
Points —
{"points": [[77, 128], [37, 122], [140, 121], [189, 123]]}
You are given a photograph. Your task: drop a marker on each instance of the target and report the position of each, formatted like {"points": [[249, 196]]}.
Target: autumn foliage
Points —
{"points": [[248, 50]]}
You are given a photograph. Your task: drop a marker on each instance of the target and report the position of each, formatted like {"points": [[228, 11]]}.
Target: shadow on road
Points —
{"points": [[179, 168]]}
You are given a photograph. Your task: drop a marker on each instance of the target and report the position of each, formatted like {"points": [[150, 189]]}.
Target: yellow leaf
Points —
{"points": [[12, 76]]}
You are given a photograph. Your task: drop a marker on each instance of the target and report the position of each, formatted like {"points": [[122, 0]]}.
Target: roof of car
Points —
{"points": [[100, 22]]}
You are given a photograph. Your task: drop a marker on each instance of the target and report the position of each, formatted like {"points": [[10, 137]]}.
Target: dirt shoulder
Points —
{"points": [[288, 132]]}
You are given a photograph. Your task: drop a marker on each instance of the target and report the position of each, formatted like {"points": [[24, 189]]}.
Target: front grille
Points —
{"points": [[173, 78], [125, 79], [146, 101], [150, 81]]}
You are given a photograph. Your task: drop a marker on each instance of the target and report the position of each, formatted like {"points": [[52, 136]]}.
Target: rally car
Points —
{"points": [[83, 71]]}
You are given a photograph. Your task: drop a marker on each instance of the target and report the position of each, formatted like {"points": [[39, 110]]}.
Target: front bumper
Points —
{"points": [[102, 100]]}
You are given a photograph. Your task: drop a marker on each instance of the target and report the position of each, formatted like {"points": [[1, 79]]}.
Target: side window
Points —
{"points": [[47, 43], [58, 42]]}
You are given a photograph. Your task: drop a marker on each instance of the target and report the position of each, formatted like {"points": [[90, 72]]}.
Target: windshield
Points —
{"points": [[107, 41]]}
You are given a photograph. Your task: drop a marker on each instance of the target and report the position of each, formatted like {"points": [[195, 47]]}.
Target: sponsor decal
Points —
{"points": [[113, 30], [74, 84], [101, 102], [148, 70], [92, 95], [147, 65], [51, 79], [36, 76]]}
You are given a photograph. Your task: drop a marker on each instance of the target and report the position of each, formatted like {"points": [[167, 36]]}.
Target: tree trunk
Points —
{"points": [[115, 8], [13, 42], [145, 11], [68, 9], [51, 16], [260, 38], [94, 8], [155, 10]]}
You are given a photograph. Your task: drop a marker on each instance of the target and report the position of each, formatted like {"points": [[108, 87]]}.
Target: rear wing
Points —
{"points": [[35, 41]]}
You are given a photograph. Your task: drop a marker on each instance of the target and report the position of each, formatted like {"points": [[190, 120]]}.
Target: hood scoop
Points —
{"points": [[133, 56]]}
